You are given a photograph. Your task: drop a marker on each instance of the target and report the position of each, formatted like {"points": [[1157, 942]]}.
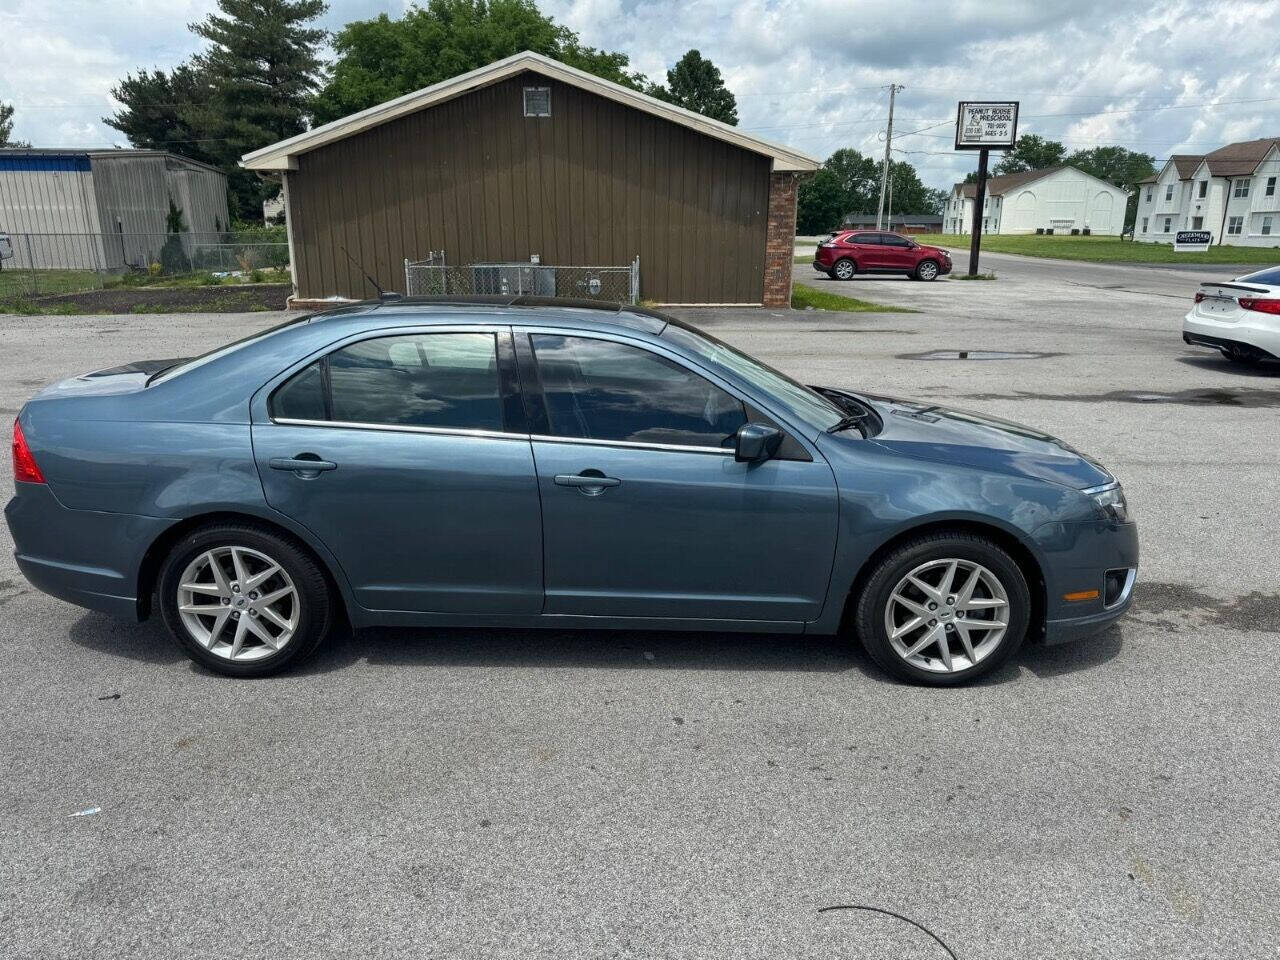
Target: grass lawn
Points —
{"points": [[803, 296], [19, 284], [1102, 249]]}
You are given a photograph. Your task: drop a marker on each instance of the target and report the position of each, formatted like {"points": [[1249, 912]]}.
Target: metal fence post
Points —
{"points": [[31, 267]]}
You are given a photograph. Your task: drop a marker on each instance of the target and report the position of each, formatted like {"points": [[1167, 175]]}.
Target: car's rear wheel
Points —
{"points": [[926, 270], [243, 600], [844, 269], [943, 609]]}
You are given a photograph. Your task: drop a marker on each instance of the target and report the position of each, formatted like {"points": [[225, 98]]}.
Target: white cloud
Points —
{"points": [[807, 73]]}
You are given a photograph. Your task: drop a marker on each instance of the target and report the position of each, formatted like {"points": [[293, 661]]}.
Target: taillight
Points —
{"points": [[25, 469], [1260, 305], [1200, 296]]}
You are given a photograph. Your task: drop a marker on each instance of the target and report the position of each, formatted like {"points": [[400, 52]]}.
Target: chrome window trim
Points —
{"points": [[498, 435], [634, 444], [401, 428]]}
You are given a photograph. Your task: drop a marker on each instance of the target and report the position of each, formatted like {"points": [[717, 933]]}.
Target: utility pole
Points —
{"points": [[888, 144]]}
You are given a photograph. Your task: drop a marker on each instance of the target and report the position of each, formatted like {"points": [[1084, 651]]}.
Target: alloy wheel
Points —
{"points": [[238, 603], [928, 271], [947, 615], [844, 270]]}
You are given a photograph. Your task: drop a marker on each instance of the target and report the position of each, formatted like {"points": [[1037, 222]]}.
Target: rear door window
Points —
{"points": [[866, 238], [445, 380]]}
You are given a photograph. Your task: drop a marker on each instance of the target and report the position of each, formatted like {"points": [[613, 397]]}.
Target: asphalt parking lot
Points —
{"points": [[476, 793]]}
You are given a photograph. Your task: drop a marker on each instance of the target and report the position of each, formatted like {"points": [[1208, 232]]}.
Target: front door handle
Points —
{"points": [[592, 483], [304, 464]]}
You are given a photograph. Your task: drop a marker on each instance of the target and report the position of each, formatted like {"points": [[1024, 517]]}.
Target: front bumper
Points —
{"points": [[945, 268], [1078, 558], [86, 557]]}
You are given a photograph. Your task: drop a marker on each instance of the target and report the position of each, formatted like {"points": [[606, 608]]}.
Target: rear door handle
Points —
{"points": [[303, 464]]}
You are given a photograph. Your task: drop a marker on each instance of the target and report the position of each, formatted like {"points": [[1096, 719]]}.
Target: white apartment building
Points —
{"points": [[1061, 199], [1233, 192]]}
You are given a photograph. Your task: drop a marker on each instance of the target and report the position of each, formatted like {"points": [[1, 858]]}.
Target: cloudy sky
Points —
{"points": [[1163, 77]]}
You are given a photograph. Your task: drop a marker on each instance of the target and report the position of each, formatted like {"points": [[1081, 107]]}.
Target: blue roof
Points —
{"points": [[46, 162]]}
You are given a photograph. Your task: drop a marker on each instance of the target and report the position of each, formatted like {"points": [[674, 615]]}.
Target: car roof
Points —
{"points": [[507, 309]]}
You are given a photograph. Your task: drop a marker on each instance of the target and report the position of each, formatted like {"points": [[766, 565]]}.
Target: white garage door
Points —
{"points": [[1024, 212], [1100, 212]]}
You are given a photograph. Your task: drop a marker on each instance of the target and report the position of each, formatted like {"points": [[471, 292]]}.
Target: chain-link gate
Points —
{"points": [[434, 277]]}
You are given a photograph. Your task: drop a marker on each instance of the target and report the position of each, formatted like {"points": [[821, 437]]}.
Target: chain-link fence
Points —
{"points": [[433, 277], [42, 264]]}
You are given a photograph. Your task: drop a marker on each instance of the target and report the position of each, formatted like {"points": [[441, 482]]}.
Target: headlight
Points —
{"points": [[1110, 501]]}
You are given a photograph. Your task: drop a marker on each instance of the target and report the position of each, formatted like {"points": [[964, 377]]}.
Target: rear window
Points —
{"points": [[1270, 276], [183, 366], [864, 238]]}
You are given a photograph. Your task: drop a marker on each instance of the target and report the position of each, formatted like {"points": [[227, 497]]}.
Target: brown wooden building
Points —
{"points": [[528, 157]]}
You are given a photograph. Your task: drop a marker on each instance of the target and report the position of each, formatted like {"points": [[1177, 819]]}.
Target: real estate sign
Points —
{"points": [[1192, 241], [986, 125]]}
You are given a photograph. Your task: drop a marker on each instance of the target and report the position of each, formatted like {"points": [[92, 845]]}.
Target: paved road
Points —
{"points": [[495, 794]]}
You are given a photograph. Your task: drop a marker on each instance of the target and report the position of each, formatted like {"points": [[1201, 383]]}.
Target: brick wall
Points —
{"points": [[780, 239]]}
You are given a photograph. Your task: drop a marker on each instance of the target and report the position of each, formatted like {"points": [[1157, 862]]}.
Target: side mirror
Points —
{"points": [[756, 442]]}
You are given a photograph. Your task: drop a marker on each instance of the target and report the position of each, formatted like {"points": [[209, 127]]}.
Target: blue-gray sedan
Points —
{"points": [[521, 463]]}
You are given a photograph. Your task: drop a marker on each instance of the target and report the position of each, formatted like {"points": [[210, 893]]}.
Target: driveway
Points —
{"points": [[480, 793]]}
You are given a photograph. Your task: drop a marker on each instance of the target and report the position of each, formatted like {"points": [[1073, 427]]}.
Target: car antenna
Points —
{"points": [[382, 294]]}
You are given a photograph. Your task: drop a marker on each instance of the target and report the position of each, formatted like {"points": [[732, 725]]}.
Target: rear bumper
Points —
{"points": [[1262, 334], [85, 557]]}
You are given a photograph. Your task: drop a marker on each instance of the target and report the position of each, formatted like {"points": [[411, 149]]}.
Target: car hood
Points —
{"points": [[938, 250], [930, 432]]}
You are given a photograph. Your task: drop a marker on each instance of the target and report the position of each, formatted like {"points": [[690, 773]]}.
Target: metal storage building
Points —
{"points": [[103, 209], [527, 157]]}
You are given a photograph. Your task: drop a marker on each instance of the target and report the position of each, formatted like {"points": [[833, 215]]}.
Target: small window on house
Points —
{"points": [[1168, 191], [1148, 194], [1242, 188], [1197, 223], [1271, 187], [1266, 226], [1203, 189], [1235, 226], [537, 101], [1144, 224], [1168, 224]]}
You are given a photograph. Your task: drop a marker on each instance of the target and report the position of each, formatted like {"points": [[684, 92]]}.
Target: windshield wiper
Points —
{"points": [[845, 422]]}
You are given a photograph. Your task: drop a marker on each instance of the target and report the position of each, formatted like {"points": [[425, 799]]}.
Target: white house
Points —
{"points": [[1061, 199], [1233, 192]]}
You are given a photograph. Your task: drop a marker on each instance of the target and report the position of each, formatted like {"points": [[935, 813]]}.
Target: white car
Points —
{"points": [[1240, 317]]}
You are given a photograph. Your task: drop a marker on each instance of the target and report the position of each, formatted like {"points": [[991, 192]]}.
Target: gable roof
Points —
{"points": [[1009, 181], [283, 155], [1239, 159]]}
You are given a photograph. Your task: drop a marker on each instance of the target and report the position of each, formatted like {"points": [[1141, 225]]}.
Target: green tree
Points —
{"points": [[695, 84], [379, 59], [173, 258], [910, 195], [6, 127], [1031, 152], [859, 178], [158, 109], [263, 67], [819, 203]]}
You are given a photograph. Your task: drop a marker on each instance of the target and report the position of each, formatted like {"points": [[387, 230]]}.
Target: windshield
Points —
{"points": [[807, 403], [182, 366]]}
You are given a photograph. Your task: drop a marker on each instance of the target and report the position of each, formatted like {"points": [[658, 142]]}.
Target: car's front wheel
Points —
{"points": [[926, 270], [243, 600], [943, 609], [844, 269]]}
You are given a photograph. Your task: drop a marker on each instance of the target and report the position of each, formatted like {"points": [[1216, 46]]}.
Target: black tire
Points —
{"points": [[844, 265], [921, 270], [877, 589], [315, 614]]}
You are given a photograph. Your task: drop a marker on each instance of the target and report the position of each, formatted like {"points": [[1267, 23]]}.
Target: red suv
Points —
{"points": [[847, 252]]}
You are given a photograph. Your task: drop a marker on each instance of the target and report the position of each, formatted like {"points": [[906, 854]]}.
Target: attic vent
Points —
{"points": [[537, 101]]}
